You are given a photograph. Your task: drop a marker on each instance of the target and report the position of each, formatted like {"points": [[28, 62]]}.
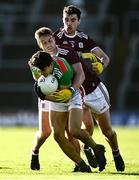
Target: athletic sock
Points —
{"points": [[115, 153], [86, 147], [35, 152], [82, 163]]}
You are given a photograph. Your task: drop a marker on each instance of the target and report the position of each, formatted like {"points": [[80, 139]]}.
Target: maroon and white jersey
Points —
{"points": [[80, 42], [69, 54]]}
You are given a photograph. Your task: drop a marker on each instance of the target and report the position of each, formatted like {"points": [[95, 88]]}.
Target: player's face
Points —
{"points": [[47, 43], [71, 23], [47, 70]]}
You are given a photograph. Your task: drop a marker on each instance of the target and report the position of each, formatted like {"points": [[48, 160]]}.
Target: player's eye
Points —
{"points": [[73, 20], [50, 40], [66, 19], [43, 42]]}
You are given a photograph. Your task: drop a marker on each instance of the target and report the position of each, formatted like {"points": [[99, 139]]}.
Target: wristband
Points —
{"points": [[101, 61], [72, 89]]}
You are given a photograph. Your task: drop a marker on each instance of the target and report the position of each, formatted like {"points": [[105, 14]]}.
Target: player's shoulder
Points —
{"points": [[82, 34], [65, 49], [58, 33]]}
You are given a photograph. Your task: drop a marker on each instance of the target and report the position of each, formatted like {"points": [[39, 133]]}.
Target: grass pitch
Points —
{"points": [[15, 150]]}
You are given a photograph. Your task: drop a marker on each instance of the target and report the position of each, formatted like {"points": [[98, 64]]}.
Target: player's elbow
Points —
{"points": [[82, 76], [106, 61]]}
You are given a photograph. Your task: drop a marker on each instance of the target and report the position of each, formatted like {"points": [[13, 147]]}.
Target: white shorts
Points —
{"points": [[98, 100], [43, 105], [75, 102]]}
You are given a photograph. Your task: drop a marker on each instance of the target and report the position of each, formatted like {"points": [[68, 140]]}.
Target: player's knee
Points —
{"points": [[48, 133], [58, 137], [113, 135], [75, 133], [89, 128], [108, 133], [45, 135]]}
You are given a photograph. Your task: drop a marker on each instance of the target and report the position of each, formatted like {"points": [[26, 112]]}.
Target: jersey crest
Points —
{"points": [[65, 43]]}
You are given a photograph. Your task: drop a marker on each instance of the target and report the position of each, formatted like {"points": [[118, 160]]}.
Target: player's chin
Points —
{"points": [[70, 30], [50, 50]]}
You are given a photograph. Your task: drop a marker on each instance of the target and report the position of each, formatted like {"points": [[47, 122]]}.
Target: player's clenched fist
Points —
{"points": [[97, 65]]}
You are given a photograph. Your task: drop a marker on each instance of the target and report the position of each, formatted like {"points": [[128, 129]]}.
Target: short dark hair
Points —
{"points": [[41, 60], [72, 10]]}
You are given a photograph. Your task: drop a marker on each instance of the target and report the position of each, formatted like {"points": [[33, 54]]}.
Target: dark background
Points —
{"points": [[113, 24]]}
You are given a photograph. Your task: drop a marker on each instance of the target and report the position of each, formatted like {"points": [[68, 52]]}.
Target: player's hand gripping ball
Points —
{"points": [[63, 95]]}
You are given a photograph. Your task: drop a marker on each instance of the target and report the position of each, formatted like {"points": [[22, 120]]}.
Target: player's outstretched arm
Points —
{"points": [[101, 55]]}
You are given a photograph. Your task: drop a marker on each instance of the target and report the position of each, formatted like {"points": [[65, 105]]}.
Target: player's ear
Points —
{"points": [[54, 38], [52, 64], [79, 21], [63, 19], [39, 44]]}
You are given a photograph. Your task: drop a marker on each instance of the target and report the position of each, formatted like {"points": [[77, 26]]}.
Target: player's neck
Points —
{"points": [[71, 35]]}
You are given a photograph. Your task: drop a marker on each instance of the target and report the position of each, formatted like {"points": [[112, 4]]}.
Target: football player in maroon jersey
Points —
{"points": [[46, 42], [97, 97]]}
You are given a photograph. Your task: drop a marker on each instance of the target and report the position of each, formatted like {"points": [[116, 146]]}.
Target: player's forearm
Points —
{"points": [[78, 81], [100, 54], [36, 73], [79, 76], [105, 60]]}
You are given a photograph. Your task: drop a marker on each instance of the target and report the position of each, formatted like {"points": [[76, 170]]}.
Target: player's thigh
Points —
{"points": [[104, 121], [88, 118], [59, 121], [75, 112], [44, 123], [75, 119]]}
